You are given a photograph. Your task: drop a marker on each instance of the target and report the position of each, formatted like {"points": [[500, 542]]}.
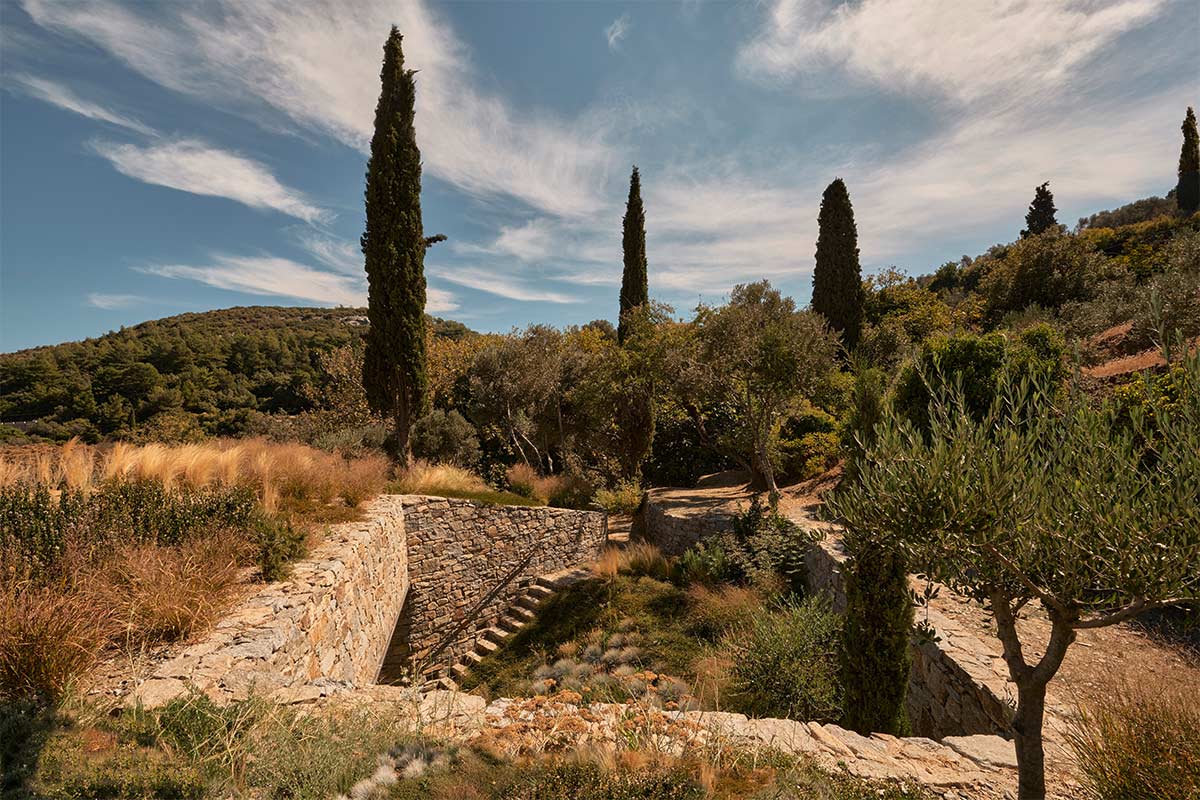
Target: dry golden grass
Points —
{"points": [[48, 639], [1143, 740], [714, 612], [438, 479], [162, 594], [525, 481], [279, 472]]}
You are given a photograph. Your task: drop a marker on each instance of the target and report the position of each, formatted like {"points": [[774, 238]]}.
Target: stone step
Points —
{"points": [[510, 623], [529, 601], [522, 614], [497, 635], [485, 646], [473, 657], [459, 670]]}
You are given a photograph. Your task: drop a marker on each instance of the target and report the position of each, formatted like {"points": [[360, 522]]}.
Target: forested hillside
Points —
{"points": [[180, 377]]}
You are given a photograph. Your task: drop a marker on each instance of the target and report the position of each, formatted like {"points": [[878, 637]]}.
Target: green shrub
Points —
{"points": [[571, 490], [765, 546], [445, 438], [877, 629], [278, 543], [707, 563], [785, 664], [35, 526], [624, 498]]}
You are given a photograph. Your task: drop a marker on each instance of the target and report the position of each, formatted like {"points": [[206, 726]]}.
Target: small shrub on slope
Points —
{"points": [[785, 664]]}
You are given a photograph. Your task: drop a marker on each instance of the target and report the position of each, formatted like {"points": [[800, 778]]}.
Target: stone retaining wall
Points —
{"points": [[330, 624], [953, 688], [673, 531], [327, 624], [459, 550]]}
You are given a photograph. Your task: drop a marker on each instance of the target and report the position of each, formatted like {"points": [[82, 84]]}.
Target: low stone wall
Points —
{"points": [[674, 530], [327, 625], [459, 550], [953, 688]]}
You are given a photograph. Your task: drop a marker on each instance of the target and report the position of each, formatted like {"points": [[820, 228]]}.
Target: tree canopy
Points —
{"points": [[635, 291], [1187, 191]]}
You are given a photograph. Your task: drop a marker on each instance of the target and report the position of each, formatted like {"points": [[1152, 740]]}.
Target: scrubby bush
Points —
{"points": [[624, 498], [277, 543], [767, 548], [785, 664], [445, 437]]}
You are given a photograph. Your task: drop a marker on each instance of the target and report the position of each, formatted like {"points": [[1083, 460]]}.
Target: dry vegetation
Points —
{"points": [[281, 474], [1141, 740], [128, 547]]}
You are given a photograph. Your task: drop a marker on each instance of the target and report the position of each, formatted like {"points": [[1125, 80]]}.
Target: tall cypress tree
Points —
{"points": [[1187, 192], [394, 246], [1041, 212], [837, 279], [876, 632], [635, 290]]}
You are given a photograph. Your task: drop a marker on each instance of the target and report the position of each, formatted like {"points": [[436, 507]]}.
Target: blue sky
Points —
{"points": [[162, 157]]}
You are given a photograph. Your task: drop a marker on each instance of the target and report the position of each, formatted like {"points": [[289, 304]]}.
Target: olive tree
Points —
{"points": [[759, 355], [1049, 498]]}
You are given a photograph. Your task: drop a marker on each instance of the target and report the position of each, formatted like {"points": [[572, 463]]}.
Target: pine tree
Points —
{"points": [[876, 632], [1187, 192], [1041, 212], [635, 291], [394, 245], [837, 278]]}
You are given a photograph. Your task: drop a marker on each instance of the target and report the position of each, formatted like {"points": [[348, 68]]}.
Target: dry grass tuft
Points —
{"points": [[438, 479], [163, 594], [609, 564], [525, 481], [47, 639], [714, 612], [643, 558], [1142, 741]]}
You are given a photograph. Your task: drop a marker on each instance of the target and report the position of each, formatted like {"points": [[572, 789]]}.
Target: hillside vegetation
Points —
{"points": [[214, 373]]}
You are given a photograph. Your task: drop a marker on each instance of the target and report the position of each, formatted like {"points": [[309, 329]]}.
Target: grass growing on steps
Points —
{"points": [[591, 631]]}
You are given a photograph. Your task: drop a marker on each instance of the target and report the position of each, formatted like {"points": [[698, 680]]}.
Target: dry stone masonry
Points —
{"points": [[331, 623], [459, 554], [954, 687]]}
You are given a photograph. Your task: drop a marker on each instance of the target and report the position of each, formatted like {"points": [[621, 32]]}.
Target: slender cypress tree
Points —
{"points": [[1187, 193], [394, 246], [837, 278], [1041, 212], [635, 290], [876, 633]]}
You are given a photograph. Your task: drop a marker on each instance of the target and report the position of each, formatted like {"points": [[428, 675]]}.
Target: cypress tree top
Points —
{"points": [[635, 291], [1041, 212], [1187, 193], [394, 248], [837, 278]]}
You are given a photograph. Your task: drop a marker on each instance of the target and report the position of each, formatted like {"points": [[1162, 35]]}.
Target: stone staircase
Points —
{"points": [[517, 616]]}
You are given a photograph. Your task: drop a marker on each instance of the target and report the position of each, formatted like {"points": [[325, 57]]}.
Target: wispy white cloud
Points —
{"points": [[616, 31], [314, 63], [282, 277], [194, 166], [64, 97], [962, 51], [266, 275], [110, 302], [492, 282], [337, 254], [531, 241]]}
